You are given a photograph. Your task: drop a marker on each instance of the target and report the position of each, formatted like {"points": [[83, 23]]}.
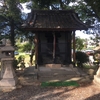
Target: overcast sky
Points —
{"points": [[24, 8], [83, 35]]}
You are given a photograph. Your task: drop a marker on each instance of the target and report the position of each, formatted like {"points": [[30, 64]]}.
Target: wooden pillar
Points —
{"points": [[36, 50], [69, 47], [66, 48], [54, 46], [74, 47]]}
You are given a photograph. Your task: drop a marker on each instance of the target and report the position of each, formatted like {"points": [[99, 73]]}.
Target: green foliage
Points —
{"points": [[27, 47], [23, 47], [97, 56], [19, 46], [47, 4], [88, 66], [10, 16], [95, 6], [60, 83], [43, 4], [10, 10], [79, 43], [13, 11], [81, 57], [15, 64], [21, 58], [21, 62], [88, 10], [23, 1]]}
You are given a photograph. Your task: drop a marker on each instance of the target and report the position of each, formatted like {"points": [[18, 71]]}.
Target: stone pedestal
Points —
{"points": [[53, 65], [8, 76], [97, 77]]}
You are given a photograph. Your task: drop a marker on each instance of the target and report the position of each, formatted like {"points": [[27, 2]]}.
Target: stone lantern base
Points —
{"points": [[96, 80], [97, 77], [8, 76]]}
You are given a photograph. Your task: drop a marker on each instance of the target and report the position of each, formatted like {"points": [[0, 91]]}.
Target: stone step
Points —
{"points": [[80, 72], [57, 75], [56, 78], [51, 74], [53, 65]]}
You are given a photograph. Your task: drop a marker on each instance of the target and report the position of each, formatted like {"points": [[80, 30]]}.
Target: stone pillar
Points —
{"points": [[8, 76], [9, 79], [97, 77]]}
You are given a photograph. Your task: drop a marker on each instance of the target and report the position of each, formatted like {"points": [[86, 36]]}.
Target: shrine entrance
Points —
{"points": [[54, 30], [54, 48]]}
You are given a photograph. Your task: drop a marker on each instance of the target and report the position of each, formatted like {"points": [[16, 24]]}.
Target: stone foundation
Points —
{"points": [[53, 65], [97, 77], [96, 80], [8, 76]]}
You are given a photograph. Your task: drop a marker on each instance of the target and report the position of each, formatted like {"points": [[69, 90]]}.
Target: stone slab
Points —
{"points": [[8, 82], [9, 78], [66, 68], [46, 69], [53, 65]]}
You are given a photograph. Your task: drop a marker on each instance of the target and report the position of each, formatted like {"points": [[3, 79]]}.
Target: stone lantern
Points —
{"points": [[97, 77], [8, 76]]}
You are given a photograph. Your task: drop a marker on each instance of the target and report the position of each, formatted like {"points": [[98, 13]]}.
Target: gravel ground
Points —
{"points": [[31, 90]]}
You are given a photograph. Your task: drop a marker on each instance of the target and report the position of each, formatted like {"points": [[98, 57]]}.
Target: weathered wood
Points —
{"points": [[74, 46], [66, 46], [54, 48], [36, 49], [54, 45], [40, 61], [53, 20], [69, 47]]}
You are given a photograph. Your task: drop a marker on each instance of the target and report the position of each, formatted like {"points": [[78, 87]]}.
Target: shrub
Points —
{"points": [[15, 64], [81, 58], [97, 56], [27, 47], [21, 58]]}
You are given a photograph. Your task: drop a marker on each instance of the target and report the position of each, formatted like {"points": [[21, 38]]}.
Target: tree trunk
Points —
{"points": [[61, 4], [31, 56], [12, 35]]}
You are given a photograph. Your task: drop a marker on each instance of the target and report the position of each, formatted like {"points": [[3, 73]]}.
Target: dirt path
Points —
{"points": [[31, 90]]}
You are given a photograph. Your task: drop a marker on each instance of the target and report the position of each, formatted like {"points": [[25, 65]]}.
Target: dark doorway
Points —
{"points": [[53, 51], [54, 48]]}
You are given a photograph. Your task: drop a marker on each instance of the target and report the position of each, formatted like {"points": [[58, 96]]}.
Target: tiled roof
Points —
{"points": [[41, 20]]}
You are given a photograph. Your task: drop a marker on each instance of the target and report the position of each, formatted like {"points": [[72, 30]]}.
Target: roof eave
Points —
{"points": [[52, 29]]}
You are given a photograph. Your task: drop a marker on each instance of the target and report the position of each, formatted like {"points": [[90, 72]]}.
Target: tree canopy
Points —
{"points": [[10, 12], [10, 17], [88, 9]]}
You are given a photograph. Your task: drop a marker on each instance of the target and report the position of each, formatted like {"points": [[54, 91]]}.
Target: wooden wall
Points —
{"points": [[62, 48]]}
